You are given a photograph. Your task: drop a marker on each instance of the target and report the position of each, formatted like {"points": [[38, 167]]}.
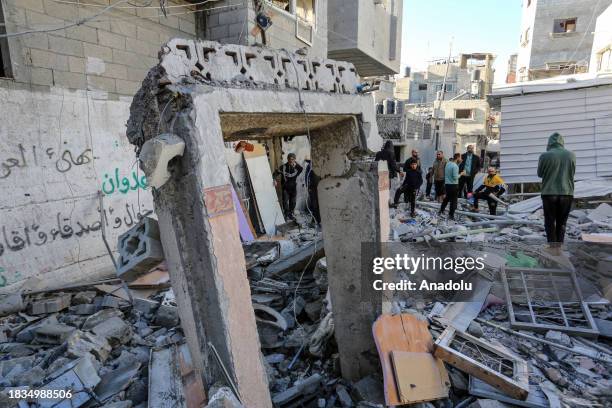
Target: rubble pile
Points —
{"points": [[86, 340]]}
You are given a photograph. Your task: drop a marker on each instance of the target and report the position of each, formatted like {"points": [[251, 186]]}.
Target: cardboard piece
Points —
{"points": [[419, 377], [246, 232]]}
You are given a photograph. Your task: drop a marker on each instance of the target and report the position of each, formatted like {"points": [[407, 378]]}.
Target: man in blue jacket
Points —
{"points": [[451, 182]]}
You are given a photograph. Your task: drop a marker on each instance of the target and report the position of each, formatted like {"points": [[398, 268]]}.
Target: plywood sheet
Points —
{"points": [[403, 332], [419, 377], [260, 176]]}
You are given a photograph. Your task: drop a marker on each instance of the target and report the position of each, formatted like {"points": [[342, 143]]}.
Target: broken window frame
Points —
{"points": [[5, 60], [516, 386], [590, 331], [602, 55]]}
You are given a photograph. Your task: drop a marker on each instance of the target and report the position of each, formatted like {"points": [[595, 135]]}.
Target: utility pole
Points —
{"points": [[435, 112]]}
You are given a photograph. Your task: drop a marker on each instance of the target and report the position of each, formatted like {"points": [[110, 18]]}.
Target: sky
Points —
{"points": [[429, 26]]}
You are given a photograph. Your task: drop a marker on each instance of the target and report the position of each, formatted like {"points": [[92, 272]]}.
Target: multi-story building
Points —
{"points": [[601, 54], [511, 71], [556, 37]]}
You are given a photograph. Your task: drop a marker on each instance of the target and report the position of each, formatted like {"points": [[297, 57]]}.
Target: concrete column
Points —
{"points": [[350, 196], [199, 232]]}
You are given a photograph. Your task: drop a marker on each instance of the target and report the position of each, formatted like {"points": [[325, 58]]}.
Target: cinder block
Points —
{"points": [[39, 41], [130, 59], [114, 330], [187, 26], [35, 19], [84, 309], [136, 74], [36, 5], [170, 21], [167, 316], [219, 32], [66, 46], [147, 35], [76, 64], [46, 59], [41, 76], [61, 10], [80, 343], [69, 80], [145, 306], [124, 28], [100, 83], [229, 17], [53, 333], [110, 301], [50, 305], [82, 33], [139, 46], [116, 71], [236, 28], [98, 51], [111, 40], [127, 87], [139, 249]]}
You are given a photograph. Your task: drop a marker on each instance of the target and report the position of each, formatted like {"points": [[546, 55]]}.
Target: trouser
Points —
{"points": [[484, 195], [428, 189], [289, 195], [451, 197], [556, 210], [409, 196], [463, 182], [439, 184], [313, 204]]}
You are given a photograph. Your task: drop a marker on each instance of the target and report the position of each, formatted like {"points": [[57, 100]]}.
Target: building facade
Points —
{"points": [[601, 53], [556, 37]]}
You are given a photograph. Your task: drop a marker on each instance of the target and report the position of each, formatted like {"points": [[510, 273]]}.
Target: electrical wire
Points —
{"points": [[148, 6]]}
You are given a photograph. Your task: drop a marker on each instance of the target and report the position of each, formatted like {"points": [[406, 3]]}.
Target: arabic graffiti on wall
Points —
{"points": [[115, 184], [63, 161], [32, 235], [7, 278]]}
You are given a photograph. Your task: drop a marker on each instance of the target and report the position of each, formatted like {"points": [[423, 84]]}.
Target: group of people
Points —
{"points": [[450, 179], [454, 178]]}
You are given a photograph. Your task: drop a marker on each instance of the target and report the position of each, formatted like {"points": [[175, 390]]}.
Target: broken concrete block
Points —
{"points": [[114, 330], [99, 317], [304, 387], [52, 333], [145, 306], [31, 378], [10, 304], [110, 302], [155, 155], [167, 316], [600, 214], [559, 338], [80, 376], [83, 297], [140, 250], [116, 380], [80, 343], [84, 309], [50, 305]]}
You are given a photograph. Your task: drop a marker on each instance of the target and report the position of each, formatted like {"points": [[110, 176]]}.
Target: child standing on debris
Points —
{"points": [[451, 186], [410, 187], [288, 174], [492, 184], [429, 179]]}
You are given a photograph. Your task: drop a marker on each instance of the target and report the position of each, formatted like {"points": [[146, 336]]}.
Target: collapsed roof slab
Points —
{"points": [[206, 93]]}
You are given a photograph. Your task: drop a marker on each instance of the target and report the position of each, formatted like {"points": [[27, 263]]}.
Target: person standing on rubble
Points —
{"points": [[288, 174], [311, 179], [414, 158], [470, 166], [556, 168], [410, 187], [451, 186], [429, 180], [439, 166], [492, 184], [387, 153]]}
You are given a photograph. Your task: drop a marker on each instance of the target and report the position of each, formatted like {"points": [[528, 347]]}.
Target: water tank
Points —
{"points": [[475, 75], [399, 107], [389, 107], [406, 72], [380, 109]]}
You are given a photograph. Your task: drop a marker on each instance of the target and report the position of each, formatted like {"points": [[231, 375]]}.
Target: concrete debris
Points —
{"points": [[155, 155], [10, 304], [140, 249], [99, 350]]}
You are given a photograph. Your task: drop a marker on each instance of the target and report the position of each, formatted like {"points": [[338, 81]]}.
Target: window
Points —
{"points": [[464, 113], [304, 9], [447, 87], [422, 87], [5, 61], [604, 60], [564, 25]]}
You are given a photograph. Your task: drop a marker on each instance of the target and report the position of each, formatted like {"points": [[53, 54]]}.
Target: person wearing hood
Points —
{"points": [[556, 168], [288, 174], [387, 153]]}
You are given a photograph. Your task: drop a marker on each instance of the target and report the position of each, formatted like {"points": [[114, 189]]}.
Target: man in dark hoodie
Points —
{"points": [[410, 187], [387, 153], [556, 167], [288, 174]]}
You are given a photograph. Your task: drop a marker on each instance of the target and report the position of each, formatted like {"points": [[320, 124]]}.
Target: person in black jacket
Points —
{"points": [[311, 179], [388, 153], [288, 174], [470, 166], [410, 187], [413, 158], [429, 179]]}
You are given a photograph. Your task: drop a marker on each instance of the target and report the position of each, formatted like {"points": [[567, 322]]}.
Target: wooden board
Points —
{"points": [[263, 185], [403, 332], [419, 377]]}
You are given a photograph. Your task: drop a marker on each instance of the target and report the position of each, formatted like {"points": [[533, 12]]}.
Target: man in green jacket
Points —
{"points": [[556, 167]]}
